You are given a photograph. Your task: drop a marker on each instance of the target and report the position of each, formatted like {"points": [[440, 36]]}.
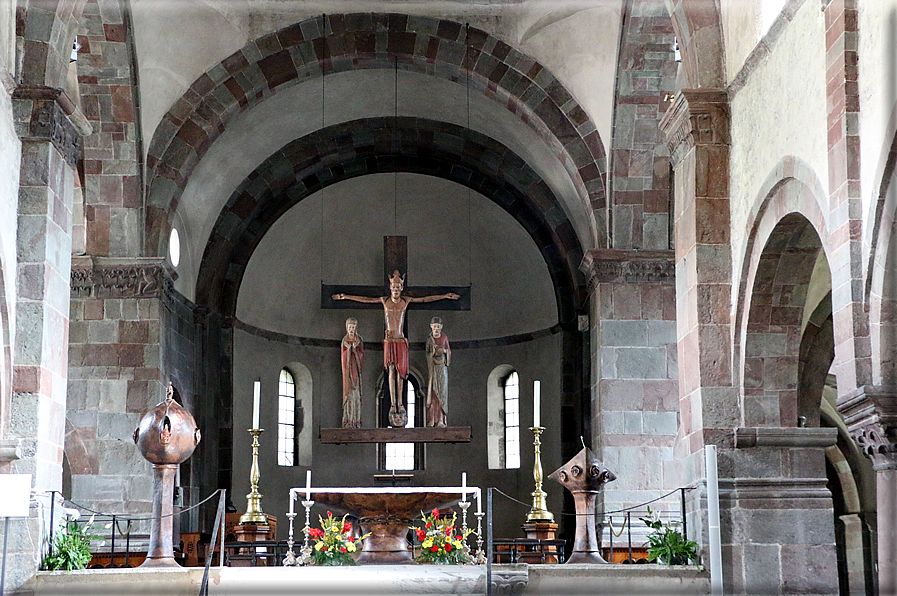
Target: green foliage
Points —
{"points": [[666, 545], [71, 547]]}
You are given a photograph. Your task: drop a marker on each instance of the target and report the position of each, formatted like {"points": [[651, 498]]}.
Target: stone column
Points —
{"points": [[870, 413], [777, 520], [696, 128], [50, 130], [635, 397]]}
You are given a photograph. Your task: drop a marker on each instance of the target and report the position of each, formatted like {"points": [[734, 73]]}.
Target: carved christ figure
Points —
{"points": [[395, 345], [439, 356], [352, 359]]}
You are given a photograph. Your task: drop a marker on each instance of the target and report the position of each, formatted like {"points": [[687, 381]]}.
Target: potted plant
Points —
{"points": [[440, 541], [667, 545], [71, 547], [333, 543]]}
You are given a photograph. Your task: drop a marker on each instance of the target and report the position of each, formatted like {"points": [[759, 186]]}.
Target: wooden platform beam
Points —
{"points": [[448, 434]]}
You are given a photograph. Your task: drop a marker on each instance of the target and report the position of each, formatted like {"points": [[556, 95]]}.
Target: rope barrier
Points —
{"points": [[132, 519], [605, 513]]}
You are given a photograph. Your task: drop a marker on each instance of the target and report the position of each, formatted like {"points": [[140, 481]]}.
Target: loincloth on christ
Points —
{"points": [[395, 351]]}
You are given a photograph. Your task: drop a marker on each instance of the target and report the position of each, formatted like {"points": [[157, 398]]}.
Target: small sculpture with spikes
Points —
{"points": [[584, 476]]}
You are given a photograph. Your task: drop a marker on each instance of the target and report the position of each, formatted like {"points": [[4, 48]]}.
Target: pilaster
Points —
{"points": [[50, 130], [870, 413], [634, 368], [696, 128]]}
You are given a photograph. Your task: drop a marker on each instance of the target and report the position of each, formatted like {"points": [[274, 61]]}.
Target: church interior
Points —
{"points": [[667, 225]]}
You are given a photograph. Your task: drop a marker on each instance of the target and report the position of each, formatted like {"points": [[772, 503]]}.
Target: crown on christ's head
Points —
{"points": [[396, 279]]}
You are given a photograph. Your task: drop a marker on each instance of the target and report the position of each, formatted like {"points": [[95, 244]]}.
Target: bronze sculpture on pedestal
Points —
{"points": [[166, 437], [584, 476]]}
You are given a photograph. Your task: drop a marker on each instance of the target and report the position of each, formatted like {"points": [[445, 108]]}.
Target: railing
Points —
{"points": [[115, 522]]}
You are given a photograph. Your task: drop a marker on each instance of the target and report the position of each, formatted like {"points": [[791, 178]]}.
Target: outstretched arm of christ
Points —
{"points": [[365, 299], [449, 296]]}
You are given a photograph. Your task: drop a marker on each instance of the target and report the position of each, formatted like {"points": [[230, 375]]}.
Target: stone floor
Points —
{"points": [[547, 580]]}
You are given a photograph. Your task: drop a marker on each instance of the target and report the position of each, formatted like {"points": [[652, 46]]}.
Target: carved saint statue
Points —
{"points": [[439, 355], [395, 345], [352, 358]]}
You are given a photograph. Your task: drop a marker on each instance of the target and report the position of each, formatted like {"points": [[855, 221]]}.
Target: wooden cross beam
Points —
{"points": [[395, 258]]}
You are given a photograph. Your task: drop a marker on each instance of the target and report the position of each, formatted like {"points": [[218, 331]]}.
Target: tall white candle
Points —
{"points": [[537, 406], [255, 404], [463, 486], [292, 498], [308, 485], [479, 501]]}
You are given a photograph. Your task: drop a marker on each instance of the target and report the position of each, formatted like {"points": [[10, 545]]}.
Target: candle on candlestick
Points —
{"points": [[292, 498], [255, 404], [308, 485], [537, 406], [479, 502], [463, 486]]}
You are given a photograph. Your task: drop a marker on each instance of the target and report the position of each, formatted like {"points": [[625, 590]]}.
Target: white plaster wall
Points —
{"points": [[780, 112], [7, 36], [10, 157], [296, 112], [878, 94], [741, 20], [178, 41], [512, 291]]}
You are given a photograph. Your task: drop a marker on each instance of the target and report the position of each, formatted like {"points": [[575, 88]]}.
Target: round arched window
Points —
{"points": [[174, 247]]}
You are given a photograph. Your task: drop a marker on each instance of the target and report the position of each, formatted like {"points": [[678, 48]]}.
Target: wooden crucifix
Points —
{"points": [[397, 299]]}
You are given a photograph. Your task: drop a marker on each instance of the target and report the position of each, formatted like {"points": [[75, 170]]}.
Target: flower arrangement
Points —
{"points": [[333, 544], [440, 541]]}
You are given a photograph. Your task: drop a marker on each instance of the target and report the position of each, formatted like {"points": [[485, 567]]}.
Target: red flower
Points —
{"points": [[459, 537], [448, 547], [329, 514], [428, 524], [421, 535], [343, 548], [434, 548], [350, 539], [347, 527], [435, 512]]}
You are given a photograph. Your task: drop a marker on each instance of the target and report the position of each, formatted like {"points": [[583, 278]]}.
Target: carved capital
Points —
{"points": [[95, 277], [628, 266], [696, 117], [48, 114], [870, 413]]}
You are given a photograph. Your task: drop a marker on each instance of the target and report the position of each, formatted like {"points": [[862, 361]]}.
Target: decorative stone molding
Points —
{"points": [[630, 266], [48, 114], [870, 413], [508, 579], [785, 436], [10, 450], [773, 489], [697, 117], [94, 277]]}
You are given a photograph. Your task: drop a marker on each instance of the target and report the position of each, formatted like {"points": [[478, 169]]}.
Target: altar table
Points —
{"points": [[386, 513]]}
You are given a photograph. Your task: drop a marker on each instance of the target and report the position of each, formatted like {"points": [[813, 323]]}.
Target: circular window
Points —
{"points": [[174, 247]]}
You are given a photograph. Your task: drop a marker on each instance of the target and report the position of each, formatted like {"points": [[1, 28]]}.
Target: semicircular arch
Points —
{"points": [[435, 47]]}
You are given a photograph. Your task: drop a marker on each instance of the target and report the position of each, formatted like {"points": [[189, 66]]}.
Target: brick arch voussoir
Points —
{"points": [[314, 48], [792, 187], [418, 146]]}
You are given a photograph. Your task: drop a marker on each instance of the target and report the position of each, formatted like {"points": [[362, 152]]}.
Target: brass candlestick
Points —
{"points": [[254, 514], [539, 511]]}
